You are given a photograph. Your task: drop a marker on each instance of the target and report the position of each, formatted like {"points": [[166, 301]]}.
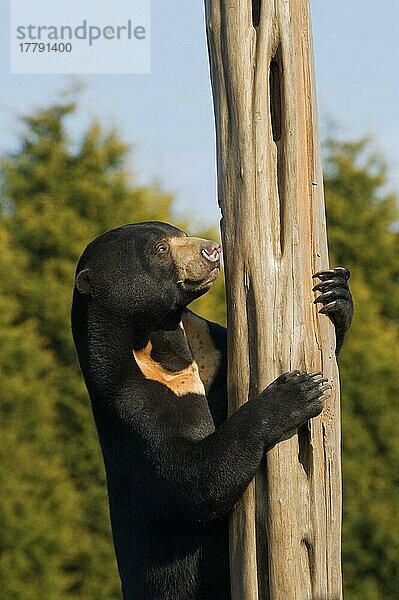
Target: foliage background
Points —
{"points": [[57, 193]]}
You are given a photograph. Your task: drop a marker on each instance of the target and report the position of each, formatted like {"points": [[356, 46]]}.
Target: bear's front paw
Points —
{"points": [[335, 297], [298, 397]]}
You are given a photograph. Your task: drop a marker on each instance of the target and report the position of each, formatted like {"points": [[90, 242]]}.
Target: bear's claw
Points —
{"points": [[335, 297]]}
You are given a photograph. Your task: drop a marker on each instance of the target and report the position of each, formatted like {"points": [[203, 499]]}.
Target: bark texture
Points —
{"points": [[285, 533]]}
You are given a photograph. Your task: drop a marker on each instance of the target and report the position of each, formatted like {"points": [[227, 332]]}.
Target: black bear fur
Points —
{"points": [[156, 375]]}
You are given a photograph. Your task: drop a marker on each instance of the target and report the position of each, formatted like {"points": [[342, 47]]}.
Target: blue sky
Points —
{"points": [[167, 115]]}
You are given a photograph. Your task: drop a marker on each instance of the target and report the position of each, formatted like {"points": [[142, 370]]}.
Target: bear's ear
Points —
{"points": [[83, 281]]}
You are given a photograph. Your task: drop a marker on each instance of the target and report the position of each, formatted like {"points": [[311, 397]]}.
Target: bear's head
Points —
{"points": [[146, 270]]}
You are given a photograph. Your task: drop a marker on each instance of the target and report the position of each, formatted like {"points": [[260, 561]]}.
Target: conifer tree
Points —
{"points": [[363, 235], [57, 194]]}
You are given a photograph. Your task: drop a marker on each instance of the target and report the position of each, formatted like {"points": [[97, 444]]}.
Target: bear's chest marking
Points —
{"points": [[186, 381]]}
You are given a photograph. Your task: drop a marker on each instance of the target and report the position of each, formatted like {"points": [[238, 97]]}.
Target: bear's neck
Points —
{"points": [[104, 347], [108, 347], [169, 343]]}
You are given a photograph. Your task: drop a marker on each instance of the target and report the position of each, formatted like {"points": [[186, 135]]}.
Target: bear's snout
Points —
{"points": [[197, 262], [211, 251]]}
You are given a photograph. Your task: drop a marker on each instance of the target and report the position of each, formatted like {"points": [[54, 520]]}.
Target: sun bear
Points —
{"points": [[156, 375]]}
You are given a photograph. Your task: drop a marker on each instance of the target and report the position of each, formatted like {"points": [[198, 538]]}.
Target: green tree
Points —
{"points": [[363, 235], [38, 516], [57, 194]]}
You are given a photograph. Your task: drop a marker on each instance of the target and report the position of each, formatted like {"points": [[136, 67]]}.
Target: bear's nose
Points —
{"points": [[211, 251]]}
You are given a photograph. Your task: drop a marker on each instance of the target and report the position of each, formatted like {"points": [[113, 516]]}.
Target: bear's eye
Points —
{"points": [[162, 248]]}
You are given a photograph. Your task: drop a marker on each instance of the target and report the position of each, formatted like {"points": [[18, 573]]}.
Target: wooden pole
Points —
{"points": [[285, 532]]}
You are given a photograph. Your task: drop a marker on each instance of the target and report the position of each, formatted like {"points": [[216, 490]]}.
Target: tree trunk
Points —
{"points": [[285, 536]]}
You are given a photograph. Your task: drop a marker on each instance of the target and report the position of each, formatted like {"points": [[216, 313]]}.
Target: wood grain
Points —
{"points": [[285, 537]]}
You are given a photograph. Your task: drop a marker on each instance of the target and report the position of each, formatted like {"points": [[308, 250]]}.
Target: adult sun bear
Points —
{"points": [[156, 375]]}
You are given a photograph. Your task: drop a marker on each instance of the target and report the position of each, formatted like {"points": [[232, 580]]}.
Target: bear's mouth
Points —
{"points": [[212, 276], [200, 284]]}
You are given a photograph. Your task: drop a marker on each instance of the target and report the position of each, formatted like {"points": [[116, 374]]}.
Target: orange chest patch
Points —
{"points": [[186, 381]]}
